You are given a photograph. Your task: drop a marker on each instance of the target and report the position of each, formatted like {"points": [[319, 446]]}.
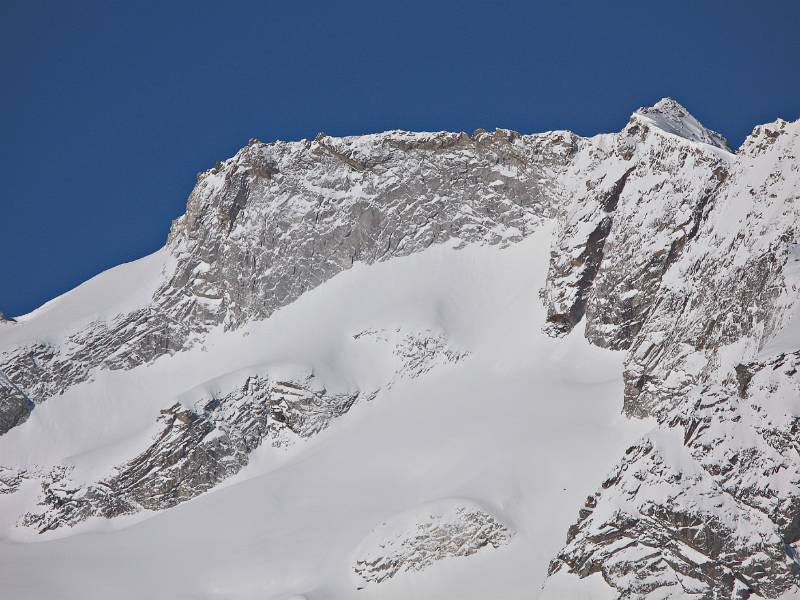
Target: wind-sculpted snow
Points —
{"points": [[669, 116], [664, 244]]}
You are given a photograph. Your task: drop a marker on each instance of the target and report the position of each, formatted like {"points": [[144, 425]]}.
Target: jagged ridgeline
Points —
{"points": [[661, 245]]}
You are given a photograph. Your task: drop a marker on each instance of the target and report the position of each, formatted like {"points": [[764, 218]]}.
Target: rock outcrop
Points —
{"points": [[278, 219], [667, 246], [15, 406], [196, 449], [416, 540], [706, 506]]}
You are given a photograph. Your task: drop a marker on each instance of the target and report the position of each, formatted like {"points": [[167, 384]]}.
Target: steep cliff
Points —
{"points": [[241, 342]]}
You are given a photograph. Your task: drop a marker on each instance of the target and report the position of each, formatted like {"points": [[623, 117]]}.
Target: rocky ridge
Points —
{"points": [[279, 219], [667, 245], [706, 506]]}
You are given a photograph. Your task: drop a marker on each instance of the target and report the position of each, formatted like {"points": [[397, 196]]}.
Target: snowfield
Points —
{"points": [[502, 419], [427, 365]]}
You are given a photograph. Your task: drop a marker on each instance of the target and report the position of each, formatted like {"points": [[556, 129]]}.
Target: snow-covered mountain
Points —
{"points": [[427, 365]]}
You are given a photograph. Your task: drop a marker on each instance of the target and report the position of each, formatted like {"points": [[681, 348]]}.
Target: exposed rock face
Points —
{"points": [[416, 540], [707, 505], [279, 219], [635, 202], [208, 438], [666, 245], [10, 480], [15, 406], [731, 286], [662, 526], [417, 353], [196, 449]]}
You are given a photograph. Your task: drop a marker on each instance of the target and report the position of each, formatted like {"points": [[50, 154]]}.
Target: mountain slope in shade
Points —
{"points": [[393, 365]]}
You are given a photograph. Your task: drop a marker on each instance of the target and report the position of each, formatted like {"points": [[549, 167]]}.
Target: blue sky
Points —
{"points": [[109, 109]]}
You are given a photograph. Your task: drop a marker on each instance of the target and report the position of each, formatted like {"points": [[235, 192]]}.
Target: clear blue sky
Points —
{"points": [[109, 109]]}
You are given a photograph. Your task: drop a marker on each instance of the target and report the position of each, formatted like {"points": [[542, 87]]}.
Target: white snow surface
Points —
{"points": [[669, 116], [524, 426], [112, 293]]}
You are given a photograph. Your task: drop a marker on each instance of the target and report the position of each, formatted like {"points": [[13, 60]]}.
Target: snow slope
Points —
{"points": [[117, 291], [332, 382], [523, 426]]}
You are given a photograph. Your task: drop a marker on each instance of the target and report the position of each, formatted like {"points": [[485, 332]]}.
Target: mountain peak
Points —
{"points": [[670, 116]]}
